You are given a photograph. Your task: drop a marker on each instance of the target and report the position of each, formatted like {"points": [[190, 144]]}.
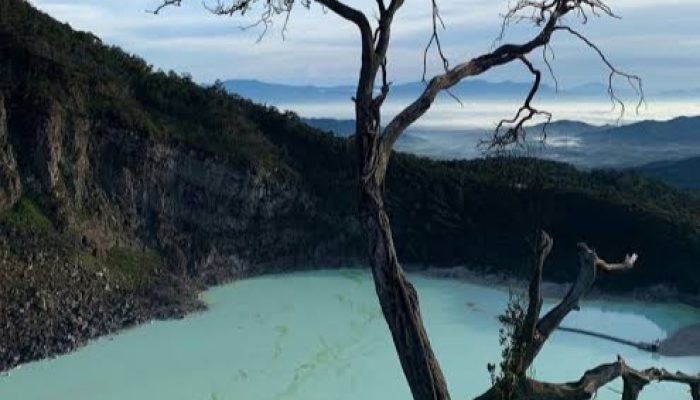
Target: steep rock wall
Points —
{"points": [[10, 184]]}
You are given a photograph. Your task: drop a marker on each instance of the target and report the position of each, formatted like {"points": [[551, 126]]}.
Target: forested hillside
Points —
{"points": [[683, 173]]}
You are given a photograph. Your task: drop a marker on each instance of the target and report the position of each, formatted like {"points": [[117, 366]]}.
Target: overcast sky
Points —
{"points": [[658, 40]]}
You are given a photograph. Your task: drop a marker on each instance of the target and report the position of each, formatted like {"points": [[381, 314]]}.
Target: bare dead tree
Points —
{"points": [[374, 142], [536, 330]]}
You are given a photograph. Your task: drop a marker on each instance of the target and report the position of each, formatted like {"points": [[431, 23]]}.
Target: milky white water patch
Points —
{"points": [[321, 336]]}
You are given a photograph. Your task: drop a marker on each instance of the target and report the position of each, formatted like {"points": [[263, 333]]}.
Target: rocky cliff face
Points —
{"points": [[115, 187], [10, 184], [204, 214], [112, 198]]}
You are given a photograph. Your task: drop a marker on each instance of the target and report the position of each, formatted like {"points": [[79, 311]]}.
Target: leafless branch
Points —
{"points": [[594, 379], [165, 4], [438, 24], [273, 8], [381, 6], [502, 55], [514, 127], [589, 264], [634, 81], [546, 47], [535, 332], [542, 246], [544, 14]]}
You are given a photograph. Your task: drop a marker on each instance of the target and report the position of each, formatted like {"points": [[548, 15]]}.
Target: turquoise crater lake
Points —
{"points": [[320, 336]]}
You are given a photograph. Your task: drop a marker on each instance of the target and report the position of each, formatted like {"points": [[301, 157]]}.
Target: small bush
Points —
{"points": [[27, 214], [135, 267], [506, 379]]}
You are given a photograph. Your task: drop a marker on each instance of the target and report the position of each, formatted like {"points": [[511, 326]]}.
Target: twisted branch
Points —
{"points": [[544, 14], [435, 40], [592, 380], [535, 332], [515, 126]]}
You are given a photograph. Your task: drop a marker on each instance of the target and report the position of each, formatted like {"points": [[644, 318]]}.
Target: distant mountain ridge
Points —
{"points": [[267, 92], [682, 93], [264, 92], [584, 145], [346, 127], [683, 173]]}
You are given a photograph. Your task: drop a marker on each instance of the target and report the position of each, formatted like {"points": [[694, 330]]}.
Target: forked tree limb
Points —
{"points": [[476, 66], [594, 379], [542, 247], [589, 263], [535, 333], [515, 127], [551, 12], [548, 15], [586, 388]]}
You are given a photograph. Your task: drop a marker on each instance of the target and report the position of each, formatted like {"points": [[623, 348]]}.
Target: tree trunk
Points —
{"points": [[397, 296], [399, 301]]}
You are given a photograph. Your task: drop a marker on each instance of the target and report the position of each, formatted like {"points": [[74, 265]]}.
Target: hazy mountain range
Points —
{"points": [[265, 92], [584, 145], [668, 150]]}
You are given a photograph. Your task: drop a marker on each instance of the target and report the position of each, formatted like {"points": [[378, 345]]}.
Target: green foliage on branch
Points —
{"points": [[505, 378]]}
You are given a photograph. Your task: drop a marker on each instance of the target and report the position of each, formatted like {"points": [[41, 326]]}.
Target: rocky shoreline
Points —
{"points": [[54, 324], [53, 303], [482, 276]]}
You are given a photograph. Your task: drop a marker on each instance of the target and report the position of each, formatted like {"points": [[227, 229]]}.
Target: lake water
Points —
{"points": [[320, 336]]}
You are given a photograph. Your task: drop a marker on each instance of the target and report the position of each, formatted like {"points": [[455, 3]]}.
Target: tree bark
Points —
{"points": [[399, 303], [397, 296], [542, 247], [587, 386]]}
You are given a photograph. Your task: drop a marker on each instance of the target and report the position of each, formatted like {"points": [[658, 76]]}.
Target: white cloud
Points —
{"points": [[322, 48]]}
